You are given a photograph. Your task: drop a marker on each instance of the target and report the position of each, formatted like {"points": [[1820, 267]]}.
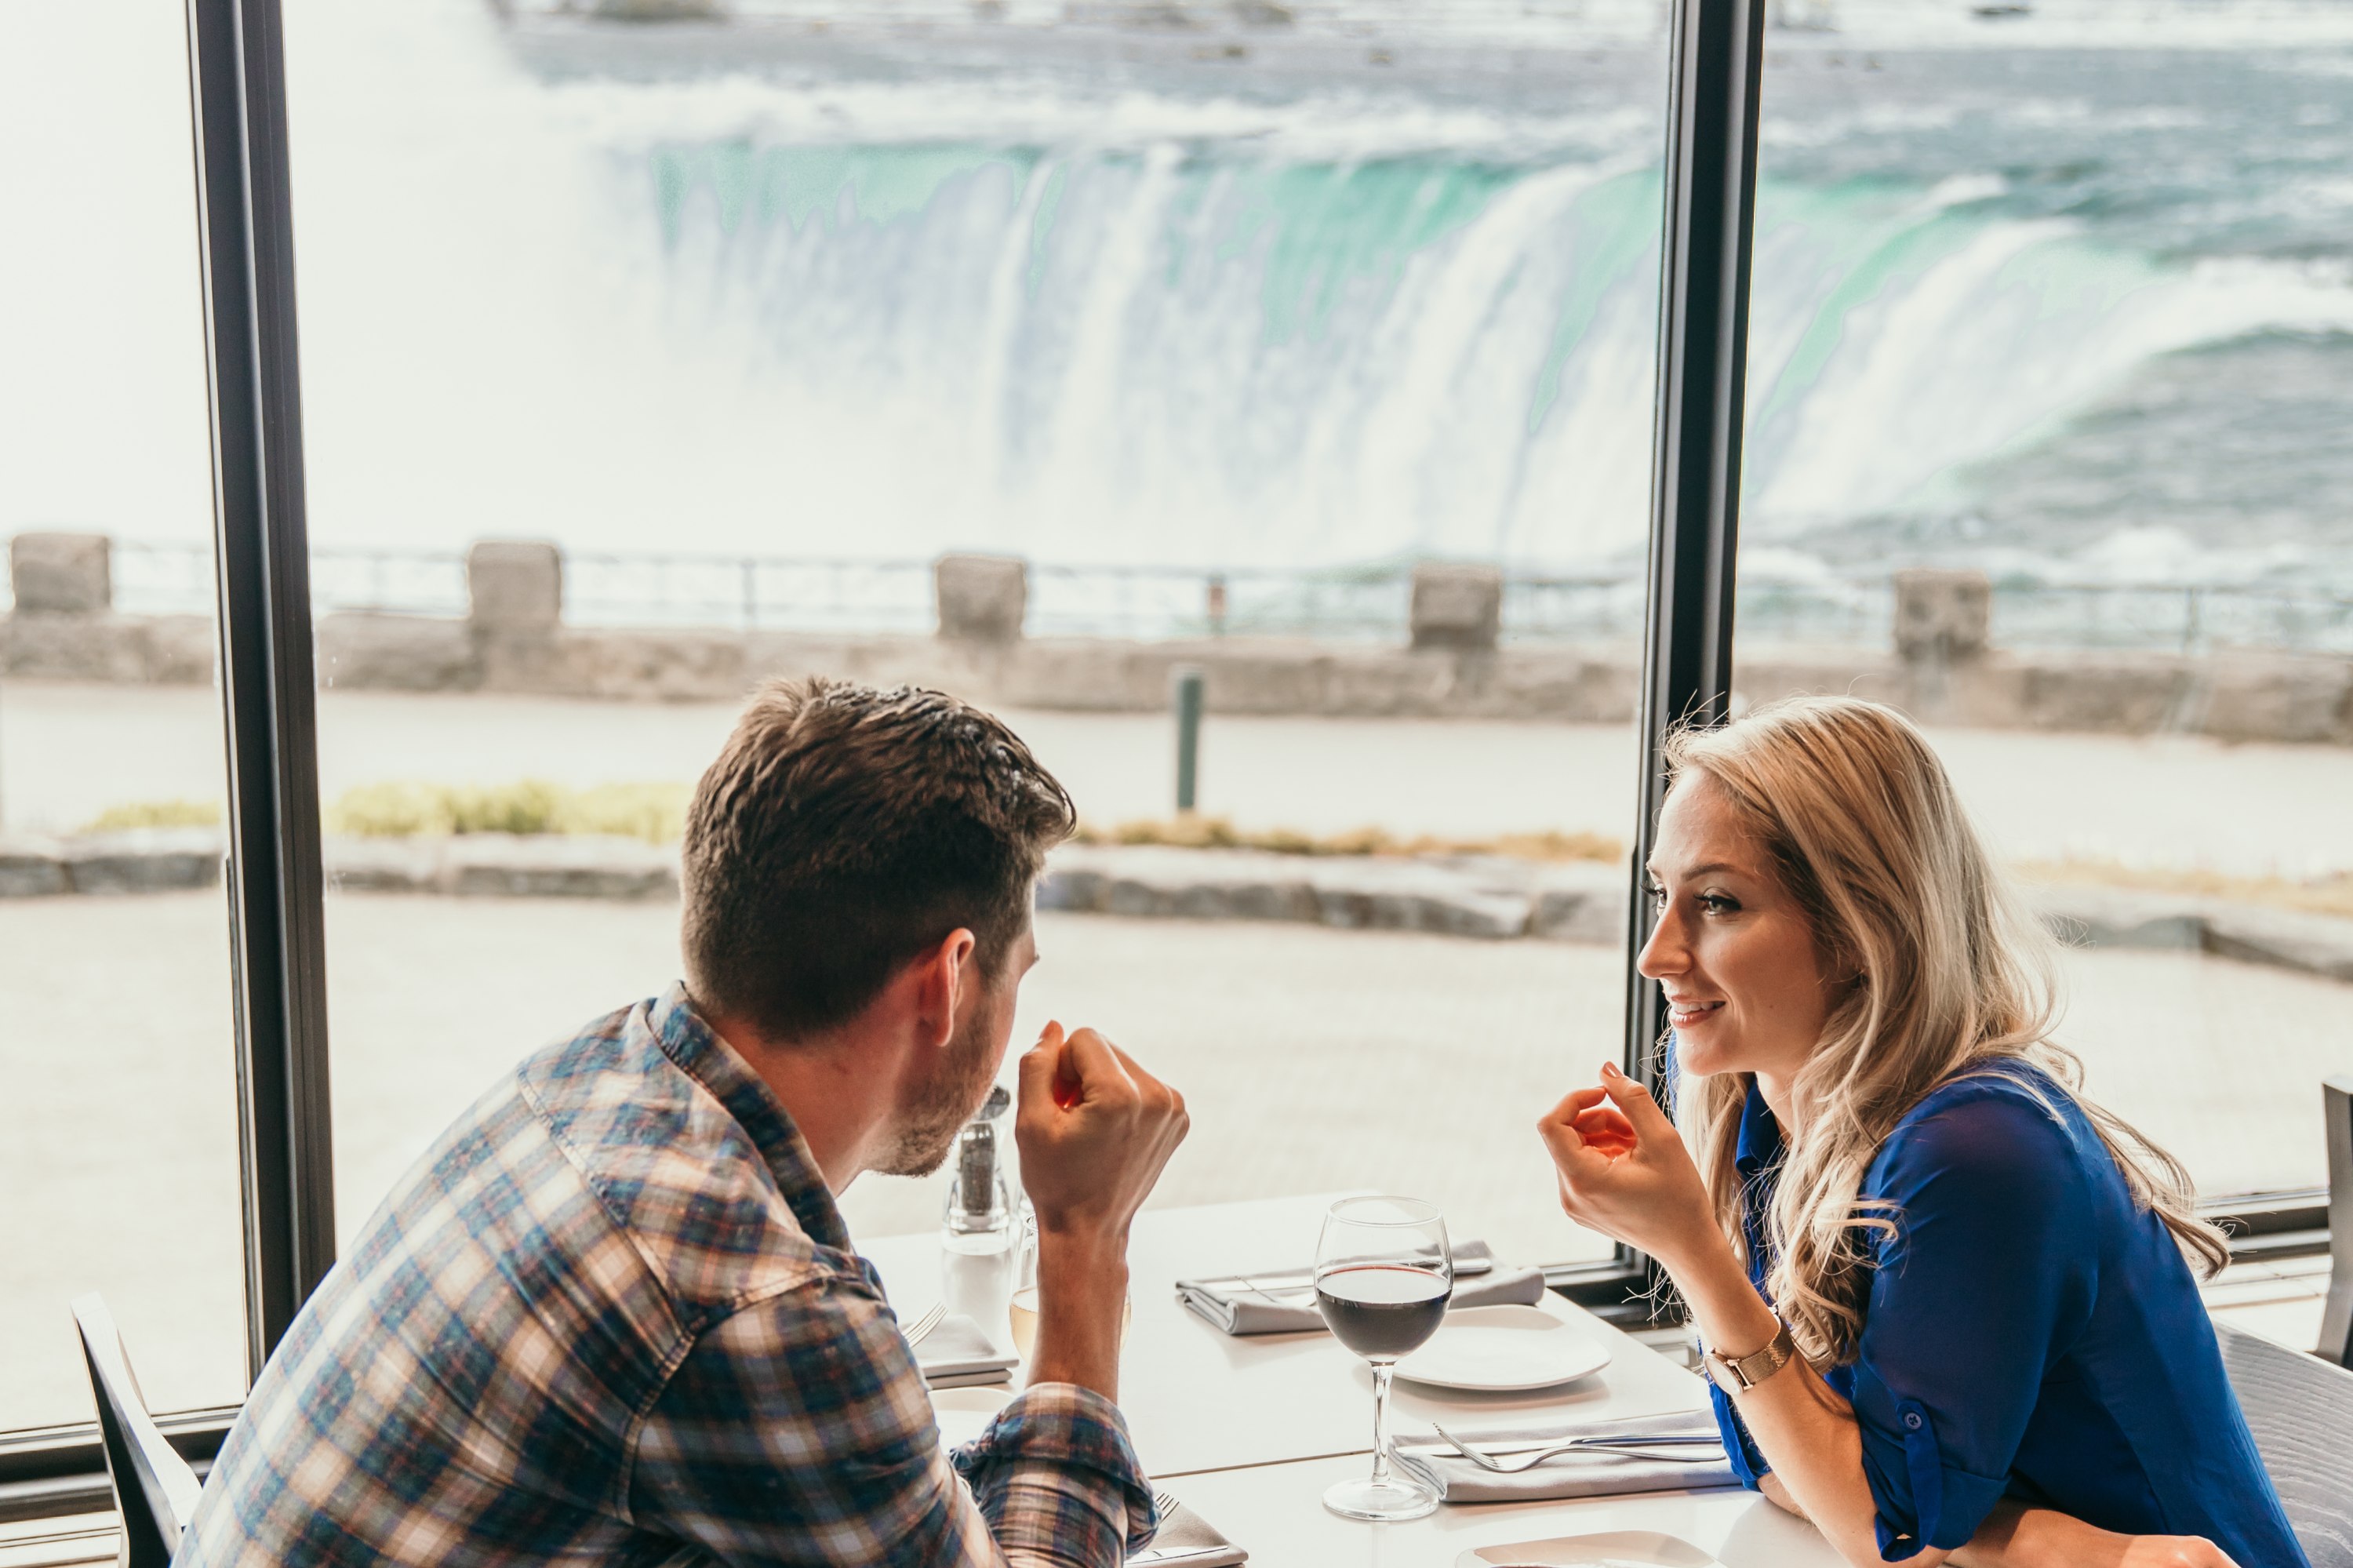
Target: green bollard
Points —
{"points": [[1188, 736]]}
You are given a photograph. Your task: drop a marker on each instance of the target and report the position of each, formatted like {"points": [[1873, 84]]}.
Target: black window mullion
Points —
{"points": [[244, 220], [1713, 66]]}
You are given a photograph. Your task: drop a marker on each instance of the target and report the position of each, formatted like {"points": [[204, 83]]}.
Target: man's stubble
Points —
{"points": [[967, 1066]]}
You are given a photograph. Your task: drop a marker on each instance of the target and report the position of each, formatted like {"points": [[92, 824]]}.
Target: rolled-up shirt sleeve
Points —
{"points": [[1989, 1276], [799, 1431]]}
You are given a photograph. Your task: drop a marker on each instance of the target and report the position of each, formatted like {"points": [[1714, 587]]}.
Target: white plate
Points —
{"points": [[1618, 1548], [963, 1413], [1503, 1350]]}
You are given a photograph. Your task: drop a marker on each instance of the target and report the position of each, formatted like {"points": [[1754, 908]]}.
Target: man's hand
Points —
{"points": [[1094, 1131]]}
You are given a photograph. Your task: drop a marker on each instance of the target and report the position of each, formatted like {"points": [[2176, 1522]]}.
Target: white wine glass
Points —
{"points": [[1384, 1275]]}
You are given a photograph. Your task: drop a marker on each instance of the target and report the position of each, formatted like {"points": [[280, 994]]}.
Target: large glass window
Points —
{"points": [[2048, 364], [643, 359], [117, 1118]]}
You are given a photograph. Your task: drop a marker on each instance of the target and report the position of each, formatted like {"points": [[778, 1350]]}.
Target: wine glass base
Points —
{"points": [[1393, 1499]]}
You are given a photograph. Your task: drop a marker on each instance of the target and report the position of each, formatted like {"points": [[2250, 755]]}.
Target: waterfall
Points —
{"points": [[835, 309]]}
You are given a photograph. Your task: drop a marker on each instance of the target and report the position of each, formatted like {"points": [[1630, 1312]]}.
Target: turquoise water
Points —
{"points": [[2066, 301], [2066, 312]]}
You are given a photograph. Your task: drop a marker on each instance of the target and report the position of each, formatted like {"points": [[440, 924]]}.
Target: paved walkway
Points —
{"points": [[68, 750], [1313, 1059]]}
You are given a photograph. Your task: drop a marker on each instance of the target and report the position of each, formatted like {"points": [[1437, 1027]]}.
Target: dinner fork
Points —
{"points": [[1629, 1445], [924, 1325]]}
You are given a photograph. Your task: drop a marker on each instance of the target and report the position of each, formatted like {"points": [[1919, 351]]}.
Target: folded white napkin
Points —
{"points": [[960, 1354], [1570, 1475], [1185, 1540], [1283, 1302]]}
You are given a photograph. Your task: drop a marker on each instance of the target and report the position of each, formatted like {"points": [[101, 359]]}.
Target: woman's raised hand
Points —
{"points": [[1623, 1169]]}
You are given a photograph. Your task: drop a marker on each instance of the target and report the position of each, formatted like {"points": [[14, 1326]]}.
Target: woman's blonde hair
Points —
{"points": [[1936, 970]]}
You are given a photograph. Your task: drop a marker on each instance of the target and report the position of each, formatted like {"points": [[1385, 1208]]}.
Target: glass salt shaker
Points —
{"points": [[984, 1206]]}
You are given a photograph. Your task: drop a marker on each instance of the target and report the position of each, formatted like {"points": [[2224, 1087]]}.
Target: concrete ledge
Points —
{"points": [[1486, 897], [151, 649], [504, 865], [145, 860], [2231, 695], [1458, 896]]}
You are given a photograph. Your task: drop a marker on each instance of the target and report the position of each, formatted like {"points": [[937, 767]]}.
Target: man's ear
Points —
{"points": [[945, 977]]}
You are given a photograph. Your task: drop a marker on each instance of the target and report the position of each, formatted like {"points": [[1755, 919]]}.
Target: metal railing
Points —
{"points": [[1365, 604], [2192, 619]]}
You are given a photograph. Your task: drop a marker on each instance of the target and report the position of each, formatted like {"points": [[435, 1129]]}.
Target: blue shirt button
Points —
{"points": [[1912, 1420]]}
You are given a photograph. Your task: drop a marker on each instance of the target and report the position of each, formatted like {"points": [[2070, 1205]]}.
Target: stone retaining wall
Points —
{"points": [[1938, 665], [1480, 897]]}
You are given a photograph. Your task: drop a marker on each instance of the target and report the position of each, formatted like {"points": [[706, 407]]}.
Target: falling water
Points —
{"points": [[2047, 301]]}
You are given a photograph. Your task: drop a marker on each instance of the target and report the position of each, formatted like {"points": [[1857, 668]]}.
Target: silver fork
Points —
{"points": [[1629, 1447], [924, 1325], [1165, 1503]]}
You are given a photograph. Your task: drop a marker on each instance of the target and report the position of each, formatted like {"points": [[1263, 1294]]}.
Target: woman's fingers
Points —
{"points": [[1633, 1099], [1603, 1120], [1575, 1103]]}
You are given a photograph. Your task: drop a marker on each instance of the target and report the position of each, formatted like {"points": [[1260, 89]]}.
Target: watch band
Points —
{"points": [[1735, 1374]]}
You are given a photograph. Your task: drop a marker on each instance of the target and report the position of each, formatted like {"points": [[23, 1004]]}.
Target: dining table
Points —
{"points": [[1248, 1430]]}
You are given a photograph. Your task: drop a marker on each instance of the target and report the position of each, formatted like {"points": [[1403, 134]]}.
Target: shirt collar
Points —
{"points": [[703, 1055], [1759, 1144]]}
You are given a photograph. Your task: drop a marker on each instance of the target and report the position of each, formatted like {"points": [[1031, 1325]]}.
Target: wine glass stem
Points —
{"points": [[1381, 1370]]}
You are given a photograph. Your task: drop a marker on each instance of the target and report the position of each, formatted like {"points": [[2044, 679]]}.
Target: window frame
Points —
{"points": [[276, 882]]}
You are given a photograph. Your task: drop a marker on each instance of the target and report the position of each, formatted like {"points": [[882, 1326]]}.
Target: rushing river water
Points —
{"points": [[2063, 295]]}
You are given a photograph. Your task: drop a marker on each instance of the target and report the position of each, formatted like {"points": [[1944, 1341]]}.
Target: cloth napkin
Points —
{"points": [[960, 1354], [1283, 1302], [1188, 1540], [1570, 1475]]}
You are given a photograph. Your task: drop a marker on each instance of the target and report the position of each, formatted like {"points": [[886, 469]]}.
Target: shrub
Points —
{"points": [[132, 814], [654, 812], [1186, 831]]}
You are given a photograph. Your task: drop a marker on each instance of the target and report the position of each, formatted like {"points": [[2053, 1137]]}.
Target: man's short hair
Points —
{"points": [[845, 829]]}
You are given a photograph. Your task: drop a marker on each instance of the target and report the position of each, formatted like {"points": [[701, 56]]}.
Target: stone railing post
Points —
{"points": [[1942, 628], [1942, 617], [514, 588], [981, 599], [62, 574], [1460, 608]]}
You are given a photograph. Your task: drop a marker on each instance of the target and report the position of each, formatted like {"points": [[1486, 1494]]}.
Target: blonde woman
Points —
{"points": [[1947, 1302]]}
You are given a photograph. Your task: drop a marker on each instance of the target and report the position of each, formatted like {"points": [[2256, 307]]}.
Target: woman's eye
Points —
{"points": [[1657, 894], [1717, 904]]}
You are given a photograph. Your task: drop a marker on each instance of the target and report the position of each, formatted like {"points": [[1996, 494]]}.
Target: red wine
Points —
{"points": [[1382, 1309]]}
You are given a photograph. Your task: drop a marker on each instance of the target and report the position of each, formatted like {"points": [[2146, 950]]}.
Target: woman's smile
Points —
{"points": [[1684, 1015]]}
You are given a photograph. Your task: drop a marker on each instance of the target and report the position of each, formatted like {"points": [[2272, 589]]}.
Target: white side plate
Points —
{"points": [[963, 1413], [1617, 1549], [1503, 1350]]}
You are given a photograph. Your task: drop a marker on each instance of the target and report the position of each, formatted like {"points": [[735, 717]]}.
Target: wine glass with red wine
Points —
{"points": [[1383, 1276]]}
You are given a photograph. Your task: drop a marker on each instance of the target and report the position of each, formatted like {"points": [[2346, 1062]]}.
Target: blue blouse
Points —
{"points": [[2028, 1332]]}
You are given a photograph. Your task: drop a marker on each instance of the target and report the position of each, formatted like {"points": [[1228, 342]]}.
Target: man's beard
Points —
{"points": [[945, 1103]]}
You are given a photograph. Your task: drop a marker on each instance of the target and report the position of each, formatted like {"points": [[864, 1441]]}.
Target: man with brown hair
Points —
{"points": [[613, 1315]]}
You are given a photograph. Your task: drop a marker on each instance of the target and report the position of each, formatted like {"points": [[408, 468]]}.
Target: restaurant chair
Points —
{"points": [[2337, 1318], [154, 1490], [2300, 1409]]}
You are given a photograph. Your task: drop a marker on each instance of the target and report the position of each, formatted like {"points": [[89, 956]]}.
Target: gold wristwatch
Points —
{"points": [[1736, 1373]]}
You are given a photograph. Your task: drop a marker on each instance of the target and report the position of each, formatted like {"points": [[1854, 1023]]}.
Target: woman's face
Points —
{"points": [[1734, 953]]}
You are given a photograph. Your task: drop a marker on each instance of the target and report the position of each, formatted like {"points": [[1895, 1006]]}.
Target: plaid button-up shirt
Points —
{"points": [[613, 1317]]}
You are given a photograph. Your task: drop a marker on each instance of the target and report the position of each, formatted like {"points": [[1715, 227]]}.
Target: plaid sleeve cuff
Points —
{"points": [[1055, 1474]]}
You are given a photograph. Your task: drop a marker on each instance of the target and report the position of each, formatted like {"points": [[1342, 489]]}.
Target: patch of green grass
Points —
{"points": [[654, 812], [2331, 894], [1195, 832], [132, 814]]}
